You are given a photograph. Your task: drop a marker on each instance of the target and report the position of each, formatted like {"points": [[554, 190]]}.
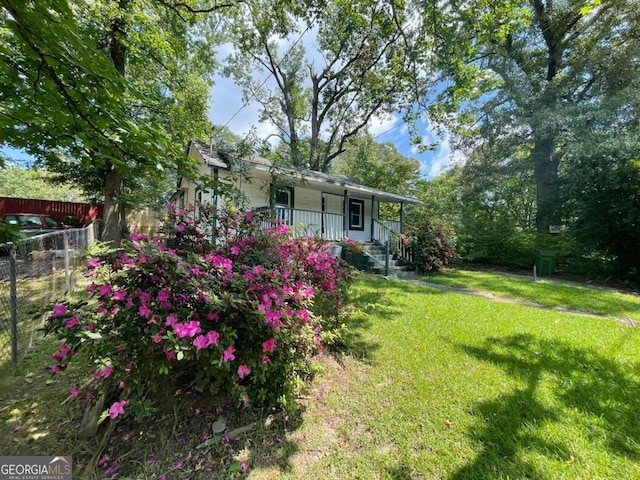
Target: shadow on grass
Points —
{"points": [[376, 298], [579, 379]]}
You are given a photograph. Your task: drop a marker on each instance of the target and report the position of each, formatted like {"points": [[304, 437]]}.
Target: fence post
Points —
{"points": [[67, 274], [13, 302]]}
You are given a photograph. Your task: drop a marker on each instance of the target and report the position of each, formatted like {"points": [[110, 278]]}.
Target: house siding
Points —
{"points": [[307, 199]]}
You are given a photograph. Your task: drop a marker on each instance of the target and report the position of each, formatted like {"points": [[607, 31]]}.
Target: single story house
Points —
{"points": [[313, 203]]}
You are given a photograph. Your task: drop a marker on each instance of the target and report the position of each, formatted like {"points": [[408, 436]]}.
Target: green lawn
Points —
{"points": [[545, 292], [437, 385], [458, 387]]}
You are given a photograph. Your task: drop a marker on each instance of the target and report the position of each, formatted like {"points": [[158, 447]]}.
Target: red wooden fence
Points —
{"points": [[84, 212]]}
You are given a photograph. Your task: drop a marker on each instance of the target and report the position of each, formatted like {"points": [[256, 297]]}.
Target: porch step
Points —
{"points": [[376, 254]]}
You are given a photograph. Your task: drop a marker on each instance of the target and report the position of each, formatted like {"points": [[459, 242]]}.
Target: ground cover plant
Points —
{"points": [[547, 292]]}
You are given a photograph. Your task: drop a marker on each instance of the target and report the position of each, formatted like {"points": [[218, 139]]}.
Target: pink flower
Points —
{"points": [[71, 322], [54, 369], [269, 345], [163, 295], [243, 466], [212, 338], [93, 263], [227, 355], [235, 250], [243, 370], [145, 297], [144, 311], [265, 359], [88, 395], [104, 290], [257, 270], [200, 342], [59, 309], [117, 409], [180, 227], [187, 329], [171, 320], [74, 392], [270, 317], [104, 373], [121, 384], [119, 295]]}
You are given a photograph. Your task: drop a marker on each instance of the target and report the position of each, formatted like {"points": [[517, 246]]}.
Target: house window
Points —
{"points": [[356, 214]]}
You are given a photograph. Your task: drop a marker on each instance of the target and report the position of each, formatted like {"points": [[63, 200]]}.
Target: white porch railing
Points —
{"points": [[386, 230], [311, 223]]}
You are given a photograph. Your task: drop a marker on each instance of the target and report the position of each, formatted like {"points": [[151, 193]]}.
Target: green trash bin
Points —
{"points": [[546, 261]]}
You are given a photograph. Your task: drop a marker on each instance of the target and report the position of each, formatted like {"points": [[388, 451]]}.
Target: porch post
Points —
{"points": [[214, 203], [401, 217], [272, 197], [345, 222], [373, 201]]}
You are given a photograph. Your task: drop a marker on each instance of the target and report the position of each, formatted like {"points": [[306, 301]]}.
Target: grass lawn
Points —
{"points": [[436, 385], [545, 292], [458, 387]]}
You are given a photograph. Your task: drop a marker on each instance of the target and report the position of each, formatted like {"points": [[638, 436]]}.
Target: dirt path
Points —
{"points": [[501, 299]]}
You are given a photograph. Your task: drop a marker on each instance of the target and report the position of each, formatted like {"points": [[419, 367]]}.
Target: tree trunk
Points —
{"points": [[114, 223], [115, 220], [547, 187]]}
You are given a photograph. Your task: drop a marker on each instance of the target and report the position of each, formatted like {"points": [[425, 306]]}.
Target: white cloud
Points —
{"points": [[382, 124], [444, 158]]}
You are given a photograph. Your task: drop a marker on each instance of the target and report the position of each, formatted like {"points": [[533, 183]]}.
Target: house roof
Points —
{"points": [[218, 159]]}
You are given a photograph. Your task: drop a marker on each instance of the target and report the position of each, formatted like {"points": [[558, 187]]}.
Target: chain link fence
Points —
{"points": [[34, 273]]}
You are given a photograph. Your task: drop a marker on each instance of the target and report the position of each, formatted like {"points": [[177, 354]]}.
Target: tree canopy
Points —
{"points": [[545, 75], [105, 93], [362, 65]]}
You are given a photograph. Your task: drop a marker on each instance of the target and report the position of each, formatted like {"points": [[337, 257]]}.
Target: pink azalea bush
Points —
{"points": [[241, 316], [433, 244]]}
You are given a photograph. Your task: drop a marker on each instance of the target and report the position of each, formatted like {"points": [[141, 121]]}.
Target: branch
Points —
{"points": [[175, 6]]}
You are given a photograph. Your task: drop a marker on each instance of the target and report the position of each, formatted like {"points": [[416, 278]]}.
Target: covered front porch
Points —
{"points": [[335, 226]]}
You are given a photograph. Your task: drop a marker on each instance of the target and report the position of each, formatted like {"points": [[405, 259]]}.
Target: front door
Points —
{"points": [[284, 205]]}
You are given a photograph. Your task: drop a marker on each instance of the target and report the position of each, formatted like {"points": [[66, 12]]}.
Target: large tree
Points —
{"points": [[362, 64], [378, 165], [104, 92], [539, 75]]}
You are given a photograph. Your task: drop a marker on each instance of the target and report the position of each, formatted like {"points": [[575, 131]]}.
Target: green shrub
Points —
{"points": [[240, 317], [433, 246]]}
